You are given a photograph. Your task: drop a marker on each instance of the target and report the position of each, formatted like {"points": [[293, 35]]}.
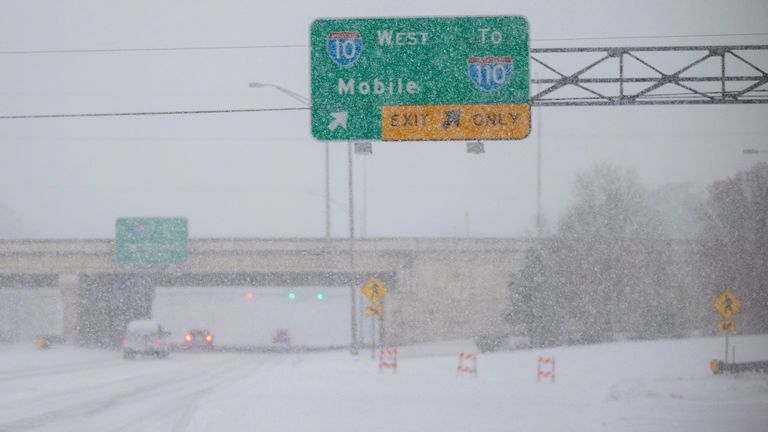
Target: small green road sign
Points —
{"points": [[361, 65], [151, 241]]}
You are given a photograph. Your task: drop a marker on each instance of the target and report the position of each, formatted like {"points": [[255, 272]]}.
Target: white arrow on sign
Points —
{"points": [[339, 119]]}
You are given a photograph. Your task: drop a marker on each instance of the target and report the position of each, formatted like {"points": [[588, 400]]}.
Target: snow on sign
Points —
{"points": [[411, 79], [151, 241]]}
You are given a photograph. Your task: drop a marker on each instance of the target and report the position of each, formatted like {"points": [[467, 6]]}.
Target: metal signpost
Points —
{"points": [[412, 79], [375, 290], [728, 305], [151, 241]]}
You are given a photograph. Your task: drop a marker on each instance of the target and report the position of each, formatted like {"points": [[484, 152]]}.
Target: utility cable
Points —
{"points": [[148, 113], [283, 46], [689, 95], [125, 50]]}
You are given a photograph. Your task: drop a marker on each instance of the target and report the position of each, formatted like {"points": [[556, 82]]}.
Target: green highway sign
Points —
{"points": [[437, 78], [151, 241]]}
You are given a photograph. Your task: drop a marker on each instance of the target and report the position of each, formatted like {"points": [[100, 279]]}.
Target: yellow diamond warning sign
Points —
{"points": [[455, 122], [374, 289], [727, 304]]}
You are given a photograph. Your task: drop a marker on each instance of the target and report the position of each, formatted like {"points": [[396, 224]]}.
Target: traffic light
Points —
{"points": [[291, 296], [320, 296], [249, 295]]}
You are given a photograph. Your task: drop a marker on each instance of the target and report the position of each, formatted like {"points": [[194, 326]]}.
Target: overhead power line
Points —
{"points": [[677, 95], [126, 50], [282, 46], [148, 113]]}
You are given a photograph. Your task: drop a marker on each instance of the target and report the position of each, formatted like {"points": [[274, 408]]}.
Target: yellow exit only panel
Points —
{"points": [[455, 122]]}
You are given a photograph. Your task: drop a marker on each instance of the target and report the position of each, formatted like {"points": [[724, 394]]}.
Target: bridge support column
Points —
{"points": [[69, 284], [109, 301]]}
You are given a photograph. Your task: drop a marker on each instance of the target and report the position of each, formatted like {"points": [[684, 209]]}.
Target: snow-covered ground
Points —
{"points": [[627, 386]]}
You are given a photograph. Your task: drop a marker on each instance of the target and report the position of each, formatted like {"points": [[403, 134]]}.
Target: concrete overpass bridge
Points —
{"points": [[439, 287]]}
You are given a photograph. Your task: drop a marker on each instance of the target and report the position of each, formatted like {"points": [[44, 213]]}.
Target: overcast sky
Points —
{"points": [[262, 174]]}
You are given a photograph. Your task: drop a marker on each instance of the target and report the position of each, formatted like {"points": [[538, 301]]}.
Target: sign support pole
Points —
{"points": [[327, 192], [373, 337], [352, 287], [382, 340], [539, 218], [728, 305]]}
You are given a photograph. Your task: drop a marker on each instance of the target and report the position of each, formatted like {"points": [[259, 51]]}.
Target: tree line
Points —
{"points": [[629, 262]]}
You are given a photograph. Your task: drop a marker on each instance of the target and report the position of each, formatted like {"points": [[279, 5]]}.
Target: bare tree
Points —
{"points": [[602, 275], [735, 243]]}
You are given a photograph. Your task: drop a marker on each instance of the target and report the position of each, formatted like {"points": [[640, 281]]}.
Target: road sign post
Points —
{"points": [[416, 79], [375, 290], [728, 305]]}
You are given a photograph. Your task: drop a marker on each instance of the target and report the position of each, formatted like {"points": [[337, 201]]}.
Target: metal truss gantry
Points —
{"points": [[634, 75]]}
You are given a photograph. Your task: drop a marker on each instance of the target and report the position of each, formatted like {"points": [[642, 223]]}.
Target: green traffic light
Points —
{"points": [[320, 296], [291, 296]]}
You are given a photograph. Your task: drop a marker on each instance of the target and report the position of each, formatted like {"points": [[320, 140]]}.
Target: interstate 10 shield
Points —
{"points": [[344, 47]]}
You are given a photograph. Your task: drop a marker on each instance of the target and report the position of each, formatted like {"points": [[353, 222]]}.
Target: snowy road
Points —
{"points": [[627, 386], [104, 392]]}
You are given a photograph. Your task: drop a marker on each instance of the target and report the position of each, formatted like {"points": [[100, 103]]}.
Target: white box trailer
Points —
{"points": [[145, 337]]}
